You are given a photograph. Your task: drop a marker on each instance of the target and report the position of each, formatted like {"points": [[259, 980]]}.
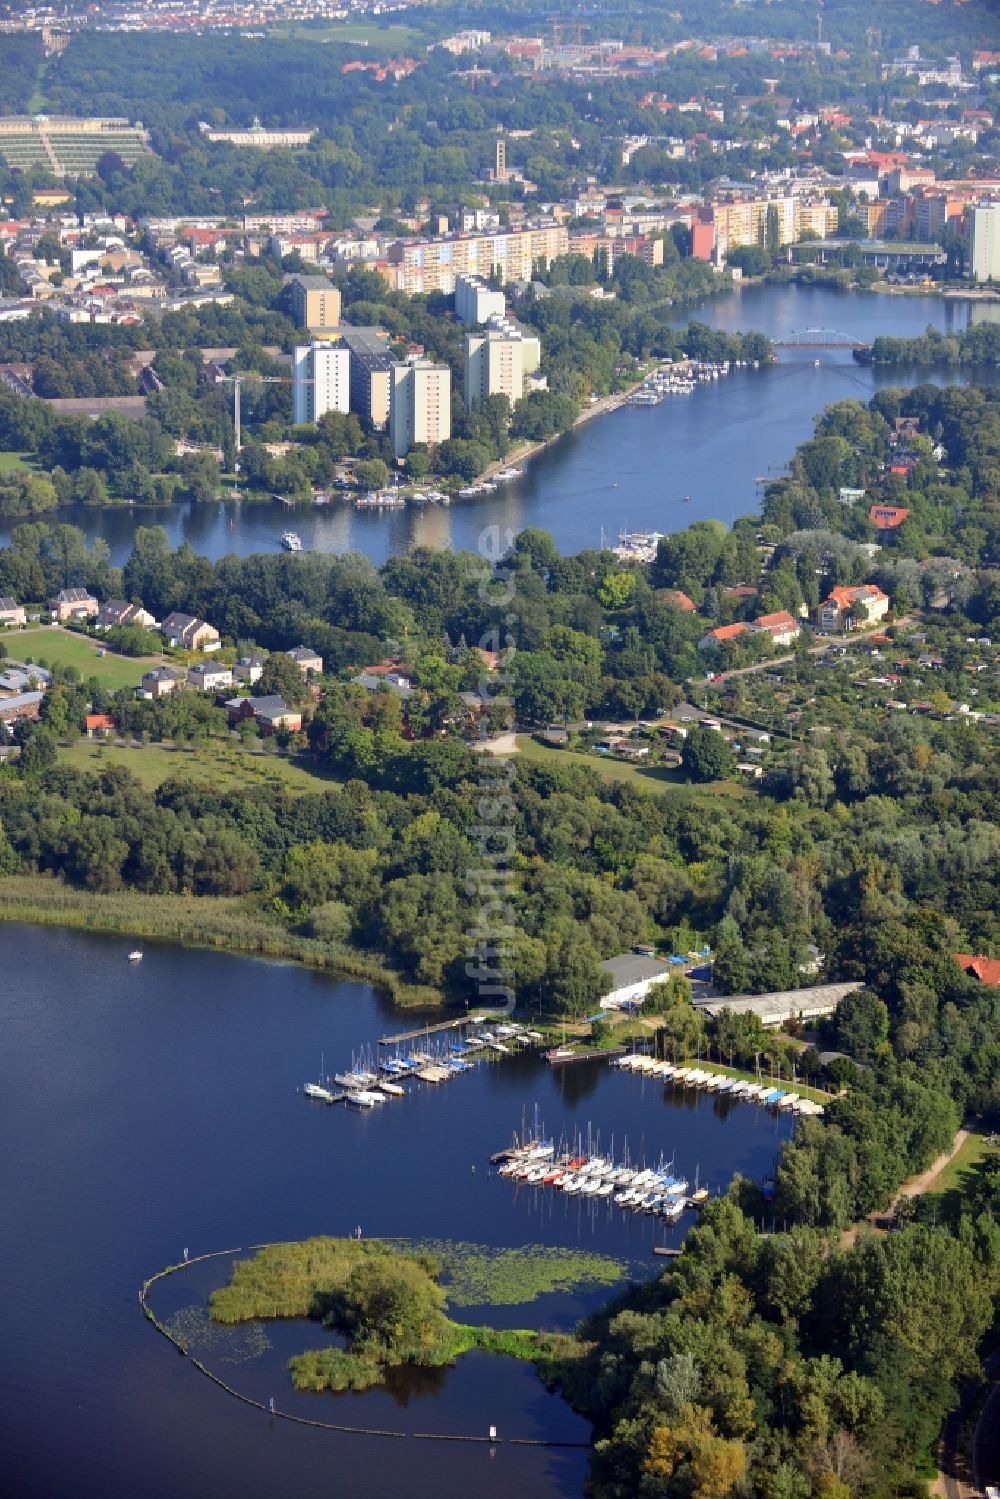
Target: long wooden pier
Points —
{"points": [[424, 1030]]}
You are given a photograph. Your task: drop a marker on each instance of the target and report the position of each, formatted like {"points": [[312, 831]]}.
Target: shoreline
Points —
{"points": [[217, 923], [530, 450]]}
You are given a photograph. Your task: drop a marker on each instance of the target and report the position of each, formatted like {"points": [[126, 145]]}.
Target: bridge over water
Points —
{"points": [[817, 338]]}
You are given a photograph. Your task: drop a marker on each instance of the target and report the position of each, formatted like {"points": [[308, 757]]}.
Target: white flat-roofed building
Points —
{"points": [[322, 381], [494, 365], [476, 301], [984, 227], [420, 405], [788, 1004], [632, 976]]}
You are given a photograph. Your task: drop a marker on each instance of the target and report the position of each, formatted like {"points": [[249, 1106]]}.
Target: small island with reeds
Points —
{"points": [[386, 1304]]}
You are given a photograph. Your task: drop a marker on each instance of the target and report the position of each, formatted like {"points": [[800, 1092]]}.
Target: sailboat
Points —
{"points": [[317, 1090]]}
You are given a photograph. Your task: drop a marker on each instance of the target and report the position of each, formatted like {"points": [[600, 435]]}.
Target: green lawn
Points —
{"points": [[954, 1176], [645, 778], [223, 767], [355, 34], [17, 463], [54, 647]]}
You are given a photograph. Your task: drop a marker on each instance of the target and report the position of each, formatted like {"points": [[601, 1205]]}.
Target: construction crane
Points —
{"points": [[236, 381]]}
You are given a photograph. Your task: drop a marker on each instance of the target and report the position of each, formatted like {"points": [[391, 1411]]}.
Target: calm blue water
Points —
{"points": [[632, 467], [156, 1107]]}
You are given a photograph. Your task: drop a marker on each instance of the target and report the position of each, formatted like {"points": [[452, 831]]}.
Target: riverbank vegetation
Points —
{"points": [[782, 1366], [386, 1300], [979, 344]]}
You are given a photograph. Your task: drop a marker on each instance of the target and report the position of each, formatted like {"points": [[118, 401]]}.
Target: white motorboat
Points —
{"points": [[291, 541], [135, 956]]}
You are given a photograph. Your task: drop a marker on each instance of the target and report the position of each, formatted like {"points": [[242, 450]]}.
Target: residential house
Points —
{"points": [[887, 517], [722, 635], [189, 633], [99, 724], [11, 612], [24, 705], [269, 713], [678, 600], [16, 679], [116, 612], [307, 660], [161, 681], [835, 613], [986, 970], [73, 603], [210, 676], [783, 628], [377, 679], [250, 669]]}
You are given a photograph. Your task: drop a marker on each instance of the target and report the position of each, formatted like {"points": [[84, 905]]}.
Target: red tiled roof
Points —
{"points": [[888, 517], [986, 970], [727, 632], [99, 721], [776, 623], [678, 599]]}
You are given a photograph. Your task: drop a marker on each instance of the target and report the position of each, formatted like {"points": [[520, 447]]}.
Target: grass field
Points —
{"points": [[222, 767], [645, 778], [973, 1150], [51, 647], [16, 463], [354, 34]]}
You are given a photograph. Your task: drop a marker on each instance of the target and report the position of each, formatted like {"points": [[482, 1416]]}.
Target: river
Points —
{"points": [[633, 467], [156, 1106]]}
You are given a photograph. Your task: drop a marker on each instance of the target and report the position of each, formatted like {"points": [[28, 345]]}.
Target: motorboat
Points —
{"points": [[135, 956], [291, 541]]}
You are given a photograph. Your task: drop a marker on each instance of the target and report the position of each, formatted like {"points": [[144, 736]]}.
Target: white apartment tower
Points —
{"points": [[420, 405], [494, 366], [476, 301], [321, 375], [985, 242]]}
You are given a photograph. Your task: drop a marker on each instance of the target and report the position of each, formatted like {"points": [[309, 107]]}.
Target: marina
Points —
{"points": [[220, 1148], [397, 1065], [720, 1083]]}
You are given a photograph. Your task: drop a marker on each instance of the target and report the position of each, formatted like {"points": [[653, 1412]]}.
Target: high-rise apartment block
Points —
{"points": [[420, 405], [476, 301], [371, 372], [498, 361], [426, 265], [984, 257], [321, 375], [315, 303]]}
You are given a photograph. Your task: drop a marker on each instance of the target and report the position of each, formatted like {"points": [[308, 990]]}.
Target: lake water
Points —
{"points": [[153, 1107], [632, 467]]}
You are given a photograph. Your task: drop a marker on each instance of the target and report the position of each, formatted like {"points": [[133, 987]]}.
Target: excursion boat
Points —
{"points": [[291, 541]]}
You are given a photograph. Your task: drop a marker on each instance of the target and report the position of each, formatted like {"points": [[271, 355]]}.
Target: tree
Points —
{"points": [[371, 473], [862, 1025], [706, 755], [281, 675]]}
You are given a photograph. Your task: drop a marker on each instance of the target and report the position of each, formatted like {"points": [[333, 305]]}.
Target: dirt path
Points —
{"points": [[915, 1187]]}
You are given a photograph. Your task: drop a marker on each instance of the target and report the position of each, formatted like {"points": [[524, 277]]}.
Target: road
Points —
{"points": [[954, 1481], [856, 637]]}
